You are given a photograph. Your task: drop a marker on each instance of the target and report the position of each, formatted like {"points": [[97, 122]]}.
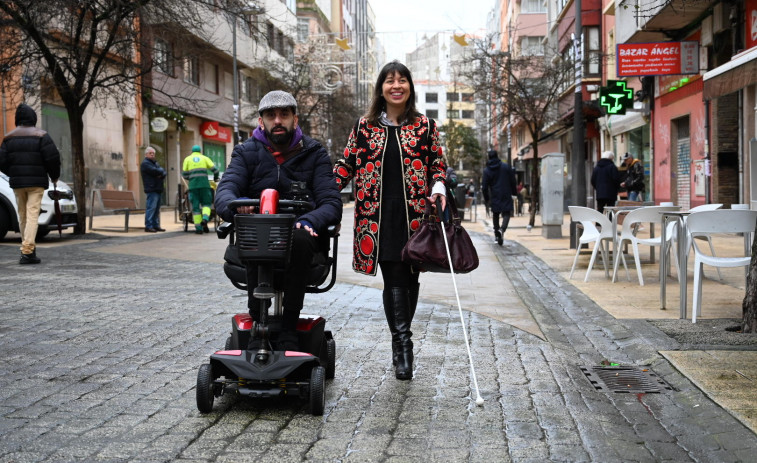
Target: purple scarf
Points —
{"points": [[259, 134]]}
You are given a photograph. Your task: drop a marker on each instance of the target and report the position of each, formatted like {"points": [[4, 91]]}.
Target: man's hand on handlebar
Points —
{"points": [[246, 209], [307, 228]]}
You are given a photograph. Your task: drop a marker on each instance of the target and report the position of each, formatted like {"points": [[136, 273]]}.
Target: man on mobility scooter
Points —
{"points": [[280, 157]]}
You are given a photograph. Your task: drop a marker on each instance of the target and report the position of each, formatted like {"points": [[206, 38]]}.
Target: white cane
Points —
{"points": [[479, 399]]}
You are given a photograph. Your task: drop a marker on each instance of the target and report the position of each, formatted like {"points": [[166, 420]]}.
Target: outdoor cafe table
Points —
{"points": [[683, 257]]}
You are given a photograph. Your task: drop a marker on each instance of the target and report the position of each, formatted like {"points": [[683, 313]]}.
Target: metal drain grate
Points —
{"points": [[624, 378]]}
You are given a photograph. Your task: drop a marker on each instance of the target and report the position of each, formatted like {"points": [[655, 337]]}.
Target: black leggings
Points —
{"points": [[398, 275]]}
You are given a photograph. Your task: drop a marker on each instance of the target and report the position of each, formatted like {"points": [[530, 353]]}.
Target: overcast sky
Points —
{"points": [[401, 24]]}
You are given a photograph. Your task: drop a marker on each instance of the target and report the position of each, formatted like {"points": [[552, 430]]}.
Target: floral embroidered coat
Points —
{"points": [[423, 165]]}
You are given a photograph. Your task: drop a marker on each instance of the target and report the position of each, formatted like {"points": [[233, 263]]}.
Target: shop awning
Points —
{"points": [[623, 123], [736, 74]]}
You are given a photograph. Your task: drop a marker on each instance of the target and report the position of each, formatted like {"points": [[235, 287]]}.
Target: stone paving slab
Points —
{"points": [[99, 362]]}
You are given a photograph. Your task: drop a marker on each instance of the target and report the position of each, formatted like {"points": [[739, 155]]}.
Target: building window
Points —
{"points": [[303, 29], [249, 90], [453, 114], [432, 113], [453, 96], [163, 57], [228, 85], [210, 78], [432, 97], [531, 46], [270, 35], [192, 70], [467, 114], [468, 97], [593, 51], [532, 6]]}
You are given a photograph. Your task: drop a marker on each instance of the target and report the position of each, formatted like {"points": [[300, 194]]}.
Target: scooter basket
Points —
{"points": [[264, 237]]}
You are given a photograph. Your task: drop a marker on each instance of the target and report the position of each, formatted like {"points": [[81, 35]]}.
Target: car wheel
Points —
{"points": [[317, 390], [42, 232], [205, 394], [5, 222]]}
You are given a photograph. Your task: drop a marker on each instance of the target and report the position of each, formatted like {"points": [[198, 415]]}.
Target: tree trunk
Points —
{"points": [[76, 124], [749, 306]]}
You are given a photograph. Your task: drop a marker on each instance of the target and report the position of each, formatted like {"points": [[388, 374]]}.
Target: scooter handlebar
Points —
{"points": [[285, 205]]}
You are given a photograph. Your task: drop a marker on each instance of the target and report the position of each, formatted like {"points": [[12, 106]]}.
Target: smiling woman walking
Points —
{"points": [[393, 153]]}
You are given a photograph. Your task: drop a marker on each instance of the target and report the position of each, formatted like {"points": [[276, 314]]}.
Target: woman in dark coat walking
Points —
{"points": [[606, 179], [498, 186]]}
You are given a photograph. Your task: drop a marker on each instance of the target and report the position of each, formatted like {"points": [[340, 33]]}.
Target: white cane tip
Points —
{"points": [[480, 401]]}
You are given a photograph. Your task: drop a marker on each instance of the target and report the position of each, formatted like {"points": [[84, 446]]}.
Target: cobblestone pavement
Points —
{"points": [[99, 354]]}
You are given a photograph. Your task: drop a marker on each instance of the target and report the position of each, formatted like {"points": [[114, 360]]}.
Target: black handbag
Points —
{"points": [[426, 252]]}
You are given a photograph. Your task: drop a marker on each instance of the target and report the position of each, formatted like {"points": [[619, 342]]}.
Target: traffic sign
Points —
{"points": [[616, 97]]}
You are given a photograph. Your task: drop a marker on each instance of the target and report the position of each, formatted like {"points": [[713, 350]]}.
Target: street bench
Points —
{"points": [[117, 202]]}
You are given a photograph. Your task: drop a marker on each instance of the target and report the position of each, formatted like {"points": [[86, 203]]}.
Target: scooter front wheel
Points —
{"points": [[205, 388]]}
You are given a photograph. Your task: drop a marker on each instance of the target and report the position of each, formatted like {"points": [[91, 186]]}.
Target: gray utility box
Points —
{"points": [[552, 193]]}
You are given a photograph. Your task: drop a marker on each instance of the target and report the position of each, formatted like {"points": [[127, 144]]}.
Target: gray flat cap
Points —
{"points": [[277, 99]]}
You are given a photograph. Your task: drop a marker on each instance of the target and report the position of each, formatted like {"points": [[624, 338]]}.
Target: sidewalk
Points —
{"points": [[722, 364]]}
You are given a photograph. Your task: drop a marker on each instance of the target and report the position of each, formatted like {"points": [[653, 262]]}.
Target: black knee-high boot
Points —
{"points": [[389, 312], [412, 293], [399, 317]]}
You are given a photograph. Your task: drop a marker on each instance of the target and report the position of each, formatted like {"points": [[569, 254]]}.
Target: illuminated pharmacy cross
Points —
{"points": [[616, 97]]}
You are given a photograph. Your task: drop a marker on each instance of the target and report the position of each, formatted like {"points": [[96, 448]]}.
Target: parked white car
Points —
{"points": [[9, 210]]}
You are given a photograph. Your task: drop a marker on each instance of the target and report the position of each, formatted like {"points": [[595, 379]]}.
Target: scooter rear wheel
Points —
{"points": [[330, 358], [205, 388], [317, 390]]}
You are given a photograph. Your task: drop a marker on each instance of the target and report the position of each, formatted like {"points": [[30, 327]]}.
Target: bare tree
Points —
{"points": [[325, 98], [524, 87], [461, 144], [91, 52]]}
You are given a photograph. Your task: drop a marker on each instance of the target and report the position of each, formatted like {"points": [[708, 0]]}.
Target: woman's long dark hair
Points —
{"points": [[378, 103]]}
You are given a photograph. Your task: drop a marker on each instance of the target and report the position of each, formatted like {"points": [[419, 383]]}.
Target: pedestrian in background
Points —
{"points": [[152, 182], [498, 187], [450, 183], [634, 181], [605, 179], [519, 189], [393, 152], [196, 169], [470, 191], [30, 158]]}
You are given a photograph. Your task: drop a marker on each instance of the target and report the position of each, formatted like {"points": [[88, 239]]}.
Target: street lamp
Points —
{"points": [[244, 9]]}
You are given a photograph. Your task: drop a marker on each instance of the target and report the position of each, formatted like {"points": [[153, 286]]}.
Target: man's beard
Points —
{"points": [[280, 139]]}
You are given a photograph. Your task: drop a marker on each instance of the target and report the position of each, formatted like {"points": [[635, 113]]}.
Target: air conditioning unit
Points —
{"points": [[720, 21]]}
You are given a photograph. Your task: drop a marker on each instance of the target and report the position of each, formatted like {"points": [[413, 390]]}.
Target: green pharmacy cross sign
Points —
{"points": [[615, 98]]}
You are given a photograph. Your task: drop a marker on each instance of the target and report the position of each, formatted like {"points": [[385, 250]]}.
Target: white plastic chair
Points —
{"points": [[674, 230], [718, 222], [589, 219], [649, 215]]}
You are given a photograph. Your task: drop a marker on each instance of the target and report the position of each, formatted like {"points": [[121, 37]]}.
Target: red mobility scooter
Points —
{"points": [[262, 242]]}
